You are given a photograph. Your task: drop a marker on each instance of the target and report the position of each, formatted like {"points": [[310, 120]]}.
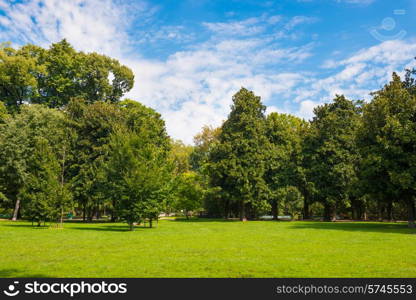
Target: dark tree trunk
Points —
{"points": [[380, 212], [242, 211], [98, 213], [327, 213], [275, 210], [411, 212], [16, 210], [389, 210], [151, 223], [84, 212], [360, 215], [227, 209], [131, 226], [333, 213], [353, 212], [306, 214]]}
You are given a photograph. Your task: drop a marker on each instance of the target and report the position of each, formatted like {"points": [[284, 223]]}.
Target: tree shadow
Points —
{"points": [[111, 228], [356, 226], [16, 273], [202, 220], [80, 221], [26, 226]]}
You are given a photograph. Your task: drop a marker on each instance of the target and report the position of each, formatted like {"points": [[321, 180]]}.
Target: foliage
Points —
{"points": [[334, 154], [238, 159], [388, 136], [54, 76], [140, 175], [284, 167], [190, 193], [22, 140]]}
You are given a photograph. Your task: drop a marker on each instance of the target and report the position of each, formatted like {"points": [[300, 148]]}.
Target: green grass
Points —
{"points": [[209, 248]]}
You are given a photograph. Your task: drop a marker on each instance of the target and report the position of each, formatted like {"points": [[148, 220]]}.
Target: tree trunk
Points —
{"points": [[333, 213], [227, 209], [411, 212], [327, 212], [150, 223], [390, 210], [365, 217], [380, 212], [84, 212], [16, 209], [131, 226], [62, 217], [353, 213], [306, 214], [242, 211], [275, 210]]}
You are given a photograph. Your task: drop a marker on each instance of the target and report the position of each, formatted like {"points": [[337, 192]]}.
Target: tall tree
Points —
{"points": [[18, 141], [284, 158], [93, 125], [334, 154], [389, 132], [237, 164]]}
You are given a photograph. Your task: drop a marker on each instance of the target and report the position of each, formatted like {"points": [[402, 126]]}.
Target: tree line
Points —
{"points": [[70, 145], [353, 160]]}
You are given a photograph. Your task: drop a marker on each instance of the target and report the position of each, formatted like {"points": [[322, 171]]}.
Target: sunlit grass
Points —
{"points": [[209, 248]]}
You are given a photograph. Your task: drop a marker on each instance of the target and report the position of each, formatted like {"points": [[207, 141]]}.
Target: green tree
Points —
{"points": [[93, 125], [180, 155], [54, 76], [41, 191], [334, 153], [190, 193], [204, 142], [140, 175], [19, 138], [237, 164], [284, 167], [388, 137], [291, 200], [18, 77]]}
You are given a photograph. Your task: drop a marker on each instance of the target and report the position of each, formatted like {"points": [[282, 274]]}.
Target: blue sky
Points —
{"points": [[190, 57]]}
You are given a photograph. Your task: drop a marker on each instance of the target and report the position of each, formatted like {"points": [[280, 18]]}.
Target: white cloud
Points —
{"points": [[360, 74], [89, 25], [298, 20], [193, 87], [246, 27]]}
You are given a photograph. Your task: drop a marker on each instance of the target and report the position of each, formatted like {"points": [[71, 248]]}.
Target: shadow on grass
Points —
{"points": [[15, 273], [26, 226], [202, 220], [356, 226], [78, 221], [110, 228]]}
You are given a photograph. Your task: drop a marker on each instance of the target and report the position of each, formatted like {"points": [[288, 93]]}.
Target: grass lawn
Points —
{"points": [[209, 248]]}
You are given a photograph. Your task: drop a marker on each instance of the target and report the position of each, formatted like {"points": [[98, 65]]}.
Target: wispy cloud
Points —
{"points": [[90, 25], [193, 85]]}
